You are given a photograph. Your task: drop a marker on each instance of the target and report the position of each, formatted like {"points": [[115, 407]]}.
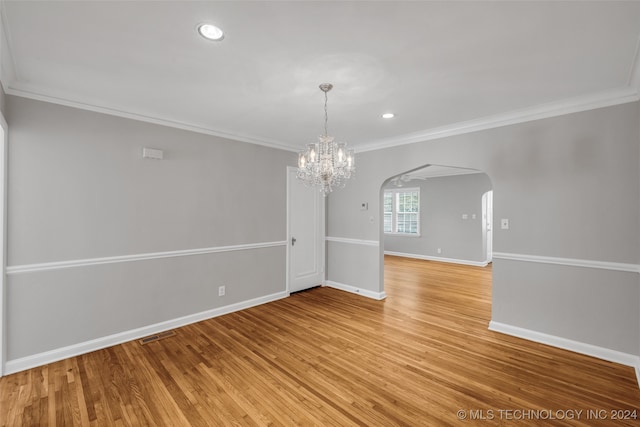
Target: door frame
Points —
{"points": [[321, 237], [3, 242], [487, 225]]}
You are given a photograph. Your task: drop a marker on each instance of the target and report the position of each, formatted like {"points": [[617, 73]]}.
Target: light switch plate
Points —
{"points": [[504, 224]]}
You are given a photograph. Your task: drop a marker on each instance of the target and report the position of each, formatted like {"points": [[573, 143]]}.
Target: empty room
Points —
{"points": [[329, 213]]}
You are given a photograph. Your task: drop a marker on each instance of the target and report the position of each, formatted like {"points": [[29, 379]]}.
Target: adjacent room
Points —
{"points": [[340, 213]]}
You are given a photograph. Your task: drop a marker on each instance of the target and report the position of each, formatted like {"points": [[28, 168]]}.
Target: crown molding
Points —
{"points": [[7, 62], [10, 81], [630, 93], [24, 91], [543, 111], [9, 78], [560, 108], [634, 72]]}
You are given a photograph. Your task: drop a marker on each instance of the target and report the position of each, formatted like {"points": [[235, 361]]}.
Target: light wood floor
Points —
{"points": [[326, 357]]}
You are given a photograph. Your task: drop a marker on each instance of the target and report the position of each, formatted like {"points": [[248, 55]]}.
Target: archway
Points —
{"points": [[437, 213]]}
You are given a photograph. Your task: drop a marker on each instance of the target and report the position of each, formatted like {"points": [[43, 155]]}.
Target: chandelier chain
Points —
{"points": [[326, 115]]}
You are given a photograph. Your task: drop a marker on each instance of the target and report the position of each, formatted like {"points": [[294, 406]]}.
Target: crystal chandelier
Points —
{"points": [[326, 164]]}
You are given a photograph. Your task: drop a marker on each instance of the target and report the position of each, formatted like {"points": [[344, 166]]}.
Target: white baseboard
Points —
{"points": [[566, 344], [364, 292], [28, 362], [439, 259]]}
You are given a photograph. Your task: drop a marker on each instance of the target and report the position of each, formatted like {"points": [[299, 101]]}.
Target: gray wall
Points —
{"points": [[79, 189], [570, 187], [443, 200], [3, 100]]}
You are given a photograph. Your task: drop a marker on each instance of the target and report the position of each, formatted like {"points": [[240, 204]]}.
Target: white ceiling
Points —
{"points": [[440, 66]]}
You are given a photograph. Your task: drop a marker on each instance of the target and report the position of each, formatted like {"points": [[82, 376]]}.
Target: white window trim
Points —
{"points": [[394, 213]]}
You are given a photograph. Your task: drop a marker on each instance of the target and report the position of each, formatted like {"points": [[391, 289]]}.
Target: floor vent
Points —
{"points": [[156, 337]]}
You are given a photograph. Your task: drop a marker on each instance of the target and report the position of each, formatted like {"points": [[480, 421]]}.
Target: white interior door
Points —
{"points": [[305, 217]]}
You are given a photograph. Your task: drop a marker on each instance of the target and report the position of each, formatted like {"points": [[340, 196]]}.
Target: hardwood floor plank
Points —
{"points": [[330, 358]]}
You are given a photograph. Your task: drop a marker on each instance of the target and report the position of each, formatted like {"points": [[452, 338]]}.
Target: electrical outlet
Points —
{"points": [[439, 250], [221, 291]]}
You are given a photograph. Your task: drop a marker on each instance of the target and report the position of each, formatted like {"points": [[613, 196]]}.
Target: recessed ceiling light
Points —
{"points": [[388, 116], [210, 32]]}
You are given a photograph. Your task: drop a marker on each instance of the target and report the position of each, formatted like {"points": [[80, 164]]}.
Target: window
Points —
{"points": [[402, 211]]}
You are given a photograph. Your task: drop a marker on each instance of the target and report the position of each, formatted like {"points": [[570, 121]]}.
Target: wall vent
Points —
{"points": [[156, 337]]}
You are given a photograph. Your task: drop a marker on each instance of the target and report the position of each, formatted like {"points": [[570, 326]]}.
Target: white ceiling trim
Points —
{"points": [[575, 105], [634, 73], [19, 90], [10, 83], [7, 63], [631, 93]]}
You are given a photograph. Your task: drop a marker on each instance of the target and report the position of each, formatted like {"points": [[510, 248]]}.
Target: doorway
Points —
{"points": [[454, 217]]}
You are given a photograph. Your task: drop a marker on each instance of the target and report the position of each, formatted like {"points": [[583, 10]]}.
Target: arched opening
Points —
{"points": [[437, 230]]}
